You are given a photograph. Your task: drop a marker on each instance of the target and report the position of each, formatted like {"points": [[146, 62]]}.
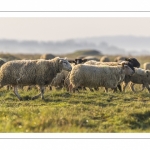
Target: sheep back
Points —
{"points": [[95, 76], [29, 72]]}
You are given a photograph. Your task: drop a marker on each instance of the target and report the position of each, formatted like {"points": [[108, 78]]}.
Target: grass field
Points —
{"points": [[84, 112]]}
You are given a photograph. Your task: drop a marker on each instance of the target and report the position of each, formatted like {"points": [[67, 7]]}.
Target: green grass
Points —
{"points": [[84, 112]]}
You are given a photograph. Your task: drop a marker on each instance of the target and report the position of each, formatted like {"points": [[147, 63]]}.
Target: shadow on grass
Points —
{"points": [[92, 103], [140, 120]]}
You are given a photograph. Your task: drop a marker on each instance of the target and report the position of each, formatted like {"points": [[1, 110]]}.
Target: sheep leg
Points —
{"points": [[96, 88], [106, 90], [40, 94], [42, 91], [29, 88], [131, 85], [119, 87], [124, 85], [70, 88], [16, 92], [91, 90], [50, 88], [114, 89], [143, 86], [83, 88], [148, 88]]}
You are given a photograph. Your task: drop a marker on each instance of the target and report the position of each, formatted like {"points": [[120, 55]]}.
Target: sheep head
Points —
{"points": [[65, 64]]}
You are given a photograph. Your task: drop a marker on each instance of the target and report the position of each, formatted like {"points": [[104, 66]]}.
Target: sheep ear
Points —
{"points": [[60, 60]]}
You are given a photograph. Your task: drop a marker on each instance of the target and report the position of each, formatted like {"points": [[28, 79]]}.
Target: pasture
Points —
{"points": [[84, 112]]}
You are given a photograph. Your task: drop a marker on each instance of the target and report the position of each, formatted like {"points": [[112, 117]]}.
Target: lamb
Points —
{"points": [[58, 81], [142, 78], [31, 72], [98, 76], [146, 66]]}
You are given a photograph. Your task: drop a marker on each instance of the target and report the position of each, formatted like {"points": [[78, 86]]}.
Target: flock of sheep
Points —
{"points": [[74, 74]]}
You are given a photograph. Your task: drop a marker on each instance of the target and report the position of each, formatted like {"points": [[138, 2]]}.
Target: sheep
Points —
{"points": [[146, 66], [131, 61], [104, 59], [58, 81], [119, 58], [91, 58], [78, 61], [67, 82], [93, 62], [47, 56], [98, 76], [31, 72], [138, 78]]}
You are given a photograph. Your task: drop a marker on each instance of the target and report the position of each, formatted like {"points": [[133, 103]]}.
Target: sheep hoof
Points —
{"points": [[20, 99]]}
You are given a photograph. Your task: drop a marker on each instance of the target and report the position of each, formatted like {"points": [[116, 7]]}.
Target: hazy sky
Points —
{"points": [[45, 29]]}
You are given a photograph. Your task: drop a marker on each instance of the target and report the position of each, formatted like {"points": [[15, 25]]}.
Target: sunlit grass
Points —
{"points": [[75, 112]]}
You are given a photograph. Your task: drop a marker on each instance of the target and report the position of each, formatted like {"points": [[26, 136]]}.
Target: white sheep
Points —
{"points": [[138, 77], [58, 81], [146, 66], [92, 62], [98, 76], [31, 72]]}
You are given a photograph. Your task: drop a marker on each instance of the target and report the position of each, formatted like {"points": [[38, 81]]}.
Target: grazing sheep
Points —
{"points": [[146, 66], [136, 78], [98, 76], [31, 72], [104, 59]]}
